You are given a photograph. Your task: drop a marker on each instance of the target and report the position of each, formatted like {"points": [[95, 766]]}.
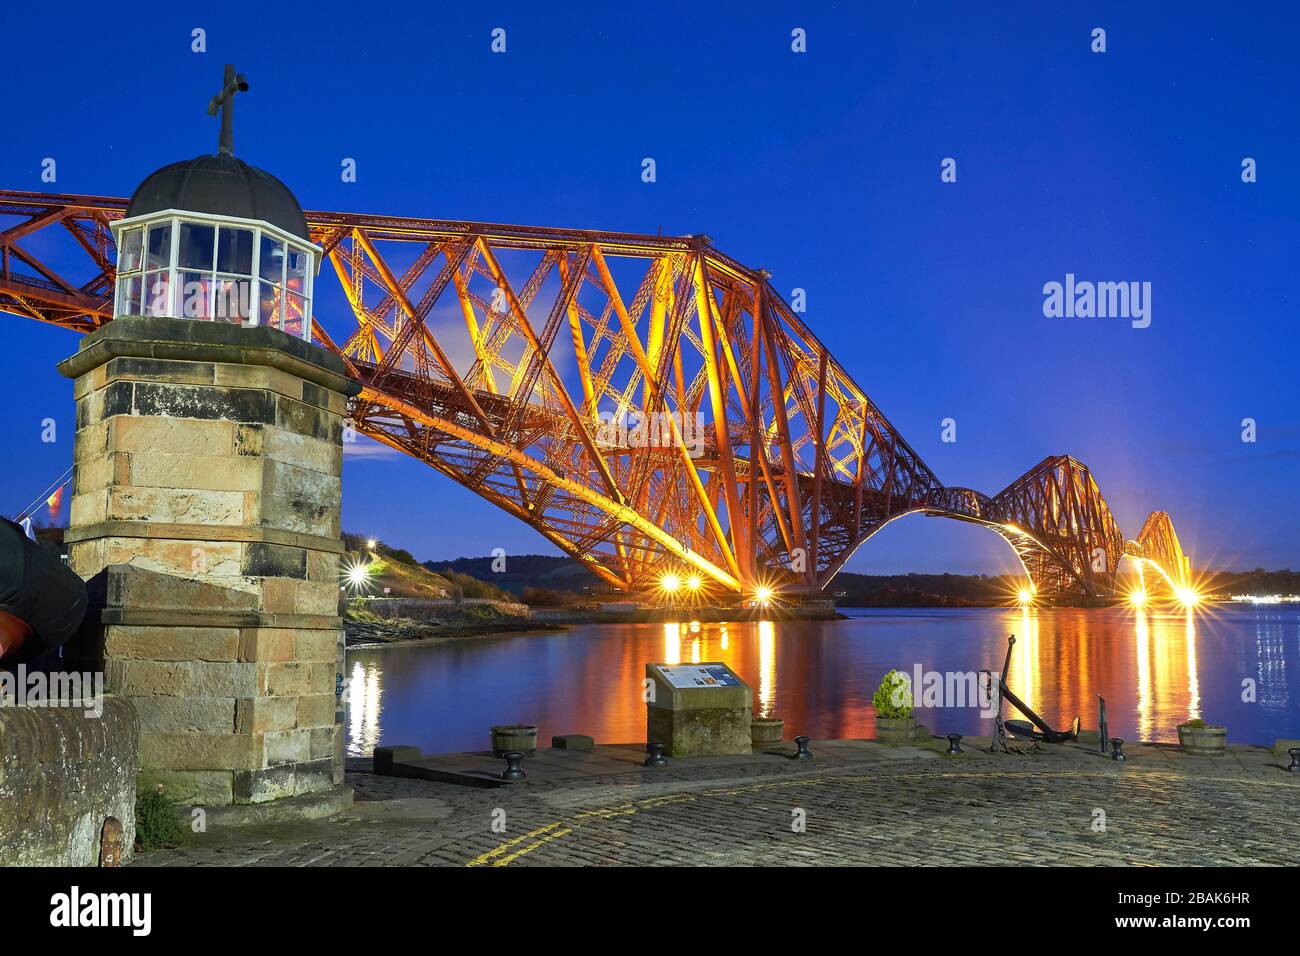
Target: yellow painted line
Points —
{"points": [[603, 813], [483, 858], [505, 860]]}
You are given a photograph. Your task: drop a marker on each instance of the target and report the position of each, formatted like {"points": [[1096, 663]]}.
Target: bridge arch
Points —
{"points": [[1027, 551]]}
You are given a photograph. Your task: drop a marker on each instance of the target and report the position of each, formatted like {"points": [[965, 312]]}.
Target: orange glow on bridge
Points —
{"points": [[746, 458]]}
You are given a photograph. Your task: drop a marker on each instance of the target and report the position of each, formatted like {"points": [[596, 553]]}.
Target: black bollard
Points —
{"points": [[803, 753], [514, 766], [954, 744], [656, 758], [1116, 753], [1294, 753]]}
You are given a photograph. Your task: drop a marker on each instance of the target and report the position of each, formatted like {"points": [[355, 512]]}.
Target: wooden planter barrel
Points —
{"points": [[517, 737], [896, 730], [1203, 741], [765, 732]]}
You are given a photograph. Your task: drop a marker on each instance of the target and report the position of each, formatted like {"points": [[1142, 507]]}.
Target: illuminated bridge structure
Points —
{"points": [[500, 355]]}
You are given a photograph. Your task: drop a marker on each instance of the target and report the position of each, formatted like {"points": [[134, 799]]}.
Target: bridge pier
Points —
{"points": [[205, 504]]}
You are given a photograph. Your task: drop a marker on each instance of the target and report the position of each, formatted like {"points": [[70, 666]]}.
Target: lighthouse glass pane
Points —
{"points": [[296, 273], [294, 306], [268, 304], [196, 246], [233, 300], [157, 293], [271, 264], [160, 246], [195, 293], [128, 295], [128, 259], [235, 250]]}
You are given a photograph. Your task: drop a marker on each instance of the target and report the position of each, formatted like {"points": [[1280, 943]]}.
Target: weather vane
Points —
{"points": [[224, 103]]}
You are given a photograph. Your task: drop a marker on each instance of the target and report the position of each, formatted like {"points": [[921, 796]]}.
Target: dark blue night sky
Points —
{"points": [[823, 168]]}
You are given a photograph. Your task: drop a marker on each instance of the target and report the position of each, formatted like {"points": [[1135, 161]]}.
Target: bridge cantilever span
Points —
{"points": [[1056, 520], [643, 402]]}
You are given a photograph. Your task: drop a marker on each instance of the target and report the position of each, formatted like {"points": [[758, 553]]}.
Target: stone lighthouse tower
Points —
{"points": [[206, 487]]}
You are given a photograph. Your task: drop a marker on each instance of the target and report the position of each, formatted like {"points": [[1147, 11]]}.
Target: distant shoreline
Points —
{"points": [[372, 631], [366, 630], [378, 632]]}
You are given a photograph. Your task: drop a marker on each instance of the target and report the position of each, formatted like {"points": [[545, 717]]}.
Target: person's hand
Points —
{"points": [[13, 632]]}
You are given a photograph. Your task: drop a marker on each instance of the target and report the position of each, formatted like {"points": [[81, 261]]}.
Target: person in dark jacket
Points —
{"points": [[42, 602]]}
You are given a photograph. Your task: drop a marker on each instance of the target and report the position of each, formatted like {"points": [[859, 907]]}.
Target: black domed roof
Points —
{"points": [[222, 186]]}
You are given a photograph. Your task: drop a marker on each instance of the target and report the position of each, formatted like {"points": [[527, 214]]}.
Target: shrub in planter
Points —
{"points": [[893, 705], [1206, 740]]}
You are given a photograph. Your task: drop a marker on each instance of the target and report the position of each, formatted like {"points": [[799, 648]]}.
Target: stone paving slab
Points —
{"points": [[855, 802]]}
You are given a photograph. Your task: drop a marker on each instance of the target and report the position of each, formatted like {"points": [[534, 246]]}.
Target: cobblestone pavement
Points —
{"points": [[859, 803]]}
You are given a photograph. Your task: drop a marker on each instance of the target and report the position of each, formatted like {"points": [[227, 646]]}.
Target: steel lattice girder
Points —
{"points": [[490, 352], [1058, 514], [1157, 543]]}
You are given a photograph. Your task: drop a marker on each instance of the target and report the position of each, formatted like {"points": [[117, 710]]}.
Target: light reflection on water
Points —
{"points": [[365, 704], [1155, 668]]}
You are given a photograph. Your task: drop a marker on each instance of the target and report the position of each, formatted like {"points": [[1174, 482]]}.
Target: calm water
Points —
{"points": [[1154, 668]]}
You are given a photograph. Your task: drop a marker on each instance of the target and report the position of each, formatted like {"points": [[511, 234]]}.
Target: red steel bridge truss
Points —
{"points": [[646, 403]]}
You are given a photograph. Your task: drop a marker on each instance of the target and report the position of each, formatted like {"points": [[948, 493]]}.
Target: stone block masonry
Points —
{"points": [[205, 508], [63, 772]]}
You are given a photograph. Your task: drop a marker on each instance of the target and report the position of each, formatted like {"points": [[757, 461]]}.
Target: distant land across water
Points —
{"points": [[551, 579], [567, 576]]}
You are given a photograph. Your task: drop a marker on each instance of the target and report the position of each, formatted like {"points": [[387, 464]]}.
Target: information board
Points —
{"points": [[699, 675]]}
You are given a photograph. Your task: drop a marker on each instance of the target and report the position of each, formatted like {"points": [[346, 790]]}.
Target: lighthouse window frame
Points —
{"points": [[223, 276]]}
